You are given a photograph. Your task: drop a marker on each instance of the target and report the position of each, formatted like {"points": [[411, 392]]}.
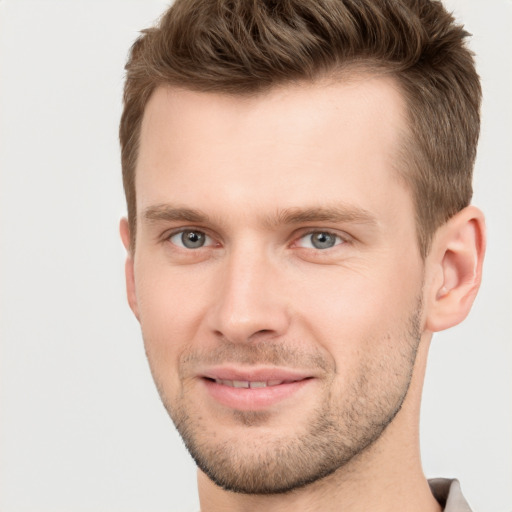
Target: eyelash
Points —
{"points": [[338, 239]]}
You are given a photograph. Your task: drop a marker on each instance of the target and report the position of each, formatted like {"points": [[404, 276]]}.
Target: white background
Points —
{"points": [[82, 428]]}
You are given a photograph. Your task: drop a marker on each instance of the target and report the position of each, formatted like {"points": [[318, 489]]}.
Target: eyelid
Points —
{"points": [[214, 239]]}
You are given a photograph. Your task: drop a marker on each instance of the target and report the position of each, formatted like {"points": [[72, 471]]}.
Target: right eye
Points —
{"points": [[320, 240], [190, 239]]}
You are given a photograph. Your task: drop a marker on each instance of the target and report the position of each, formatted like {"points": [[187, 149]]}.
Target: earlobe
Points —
{"points": [[455, 262], [124, 230]]}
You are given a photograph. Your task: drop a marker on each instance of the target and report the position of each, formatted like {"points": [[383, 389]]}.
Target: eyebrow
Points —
{"points": [[288, 216], [167, 212], [335, 214]]}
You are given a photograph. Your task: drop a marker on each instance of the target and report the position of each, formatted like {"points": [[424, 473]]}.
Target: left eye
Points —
{"points": [[320, 240], [190, 239]]}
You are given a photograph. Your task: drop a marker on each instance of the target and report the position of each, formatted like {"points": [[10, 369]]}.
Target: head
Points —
{"points": [[297, 175]]}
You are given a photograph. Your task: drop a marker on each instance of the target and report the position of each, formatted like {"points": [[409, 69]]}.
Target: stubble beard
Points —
{"points": [[338, 431]]}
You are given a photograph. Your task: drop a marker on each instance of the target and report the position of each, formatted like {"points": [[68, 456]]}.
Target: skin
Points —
{"points": [[352, 320]]}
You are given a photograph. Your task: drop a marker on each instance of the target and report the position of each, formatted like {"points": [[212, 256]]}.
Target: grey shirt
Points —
{"points": [[447, 492]]}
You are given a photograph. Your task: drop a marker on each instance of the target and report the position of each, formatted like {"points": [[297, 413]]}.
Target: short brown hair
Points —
{"points": [[248, 46]]}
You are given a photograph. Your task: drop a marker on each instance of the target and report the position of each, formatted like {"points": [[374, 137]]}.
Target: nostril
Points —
{"points": [[262, 333], [255, 336]]}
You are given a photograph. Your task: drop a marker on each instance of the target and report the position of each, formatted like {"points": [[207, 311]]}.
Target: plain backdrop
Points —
{"points": [[81, 425]]}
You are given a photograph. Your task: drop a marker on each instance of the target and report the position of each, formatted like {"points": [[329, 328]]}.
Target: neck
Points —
{"points": [[386, 477]]}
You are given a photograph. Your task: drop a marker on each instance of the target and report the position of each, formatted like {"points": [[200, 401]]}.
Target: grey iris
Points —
{"points": [[193, 239], [323, 240]]}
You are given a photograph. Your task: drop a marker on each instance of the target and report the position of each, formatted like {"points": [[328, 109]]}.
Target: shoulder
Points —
{"points": [[448, 493]]}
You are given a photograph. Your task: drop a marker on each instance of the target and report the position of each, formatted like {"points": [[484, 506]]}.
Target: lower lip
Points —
{"points": [[253, 399]]}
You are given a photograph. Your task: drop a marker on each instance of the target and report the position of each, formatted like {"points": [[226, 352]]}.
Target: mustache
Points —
{"points": [[266, 353]]}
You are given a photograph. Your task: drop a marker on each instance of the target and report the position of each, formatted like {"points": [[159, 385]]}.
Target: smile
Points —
{"points": [[254, 390]]}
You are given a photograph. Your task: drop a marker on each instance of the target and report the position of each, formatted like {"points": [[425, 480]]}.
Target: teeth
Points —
{"points": [[248, 384], [258, 384]]}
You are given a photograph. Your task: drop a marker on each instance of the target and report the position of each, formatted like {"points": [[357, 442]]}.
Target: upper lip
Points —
{"points": [[273, 374]]}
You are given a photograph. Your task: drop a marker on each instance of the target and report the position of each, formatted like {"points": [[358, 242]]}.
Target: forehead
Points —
{"points": [[305, 143]]}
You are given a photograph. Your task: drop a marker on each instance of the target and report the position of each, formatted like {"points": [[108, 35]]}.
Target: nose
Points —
{"points": [[250, 302]]}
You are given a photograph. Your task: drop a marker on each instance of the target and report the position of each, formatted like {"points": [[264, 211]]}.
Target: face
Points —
{"points": [[276, 277]]}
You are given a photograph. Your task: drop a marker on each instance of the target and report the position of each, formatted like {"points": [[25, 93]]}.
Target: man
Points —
{"points": [[298, 181]]}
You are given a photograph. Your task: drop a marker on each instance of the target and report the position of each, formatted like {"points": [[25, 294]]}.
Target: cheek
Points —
{"points": [[351, 312], [170, 314]]}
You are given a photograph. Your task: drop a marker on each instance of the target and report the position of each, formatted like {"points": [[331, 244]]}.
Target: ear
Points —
{"points": [[124, 229], [455, 269]]}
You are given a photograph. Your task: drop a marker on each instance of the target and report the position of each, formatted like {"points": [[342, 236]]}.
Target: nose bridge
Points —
{"points": [[250, 302]]}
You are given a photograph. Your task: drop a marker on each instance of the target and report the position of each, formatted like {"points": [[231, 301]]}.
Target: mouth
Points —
{"points": [[254, 384], [255, 390]]}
